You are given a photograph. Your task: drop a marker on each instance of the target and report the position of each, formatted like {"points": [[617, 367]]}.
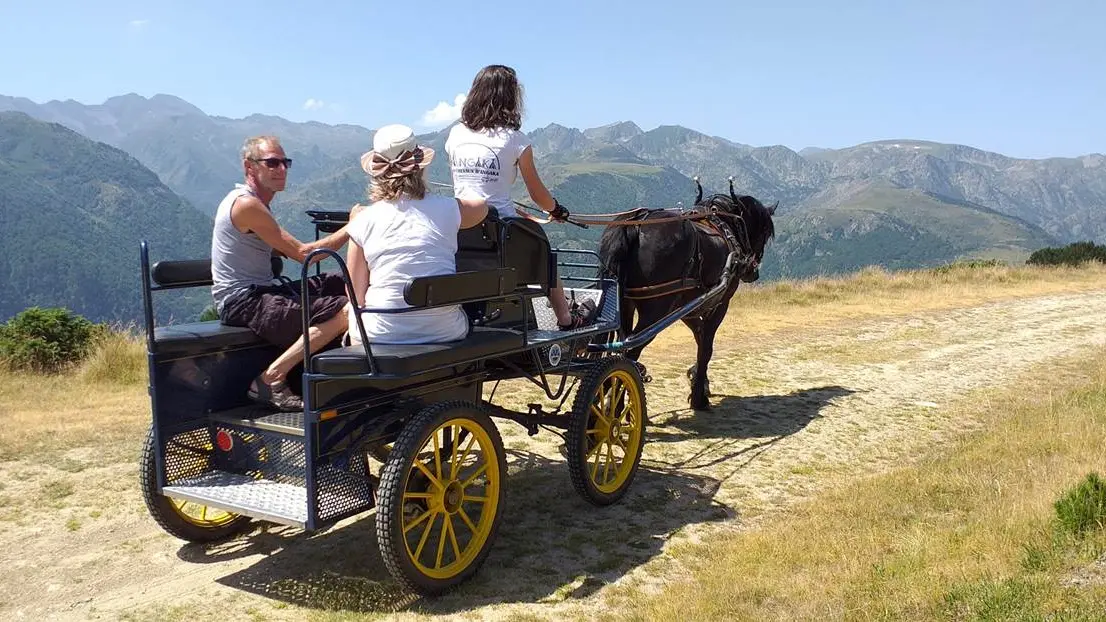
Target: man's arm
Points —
{"points": [[249, 214]]}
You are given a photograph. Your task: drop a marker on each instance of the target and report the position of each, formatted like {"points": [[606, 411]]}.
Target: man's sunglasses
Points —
{"points": [[274, 162]]}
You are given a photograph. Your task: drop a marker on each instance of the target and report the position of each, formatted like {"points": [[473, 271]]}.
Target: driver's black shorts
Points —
{"points": [[273, 312]]}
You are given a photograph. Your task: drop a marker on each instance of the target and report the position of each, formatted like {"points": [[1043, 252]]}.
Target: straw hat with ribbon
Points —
{"points": [[395, 153]]}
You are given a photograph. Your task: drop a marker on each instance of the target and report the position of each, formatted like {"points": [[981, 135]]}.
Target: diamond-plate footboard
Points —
{"points": [[543, 312]]}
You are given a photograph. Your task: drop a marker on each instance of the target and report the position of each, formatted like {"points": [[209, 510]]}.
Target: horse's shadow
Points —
{"points": [[551, 545], [734, 421]]}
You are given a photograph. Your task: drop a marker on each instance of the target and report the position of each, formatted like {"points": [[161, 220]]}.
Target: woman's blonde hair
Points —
{"points": [[412, 186]]}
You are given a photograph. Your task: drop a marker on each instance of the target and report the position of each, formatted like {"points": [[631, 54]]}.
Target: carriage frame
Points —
{"points": [[389, 428]]}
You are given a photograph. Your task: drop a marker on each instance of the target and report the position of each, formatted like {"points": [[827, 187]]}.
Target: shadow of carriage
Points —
{"points": [[551, 545]]}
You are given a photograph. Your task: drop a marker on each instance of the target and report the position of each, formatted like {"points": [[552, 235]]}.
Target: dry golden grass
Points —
{"points": [[964, 533], [876, 292], [100, 403]]}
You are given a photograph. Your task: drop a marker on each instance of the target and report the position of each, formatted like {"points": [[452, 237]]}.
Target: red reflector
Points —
{"points": [[224, 440]]}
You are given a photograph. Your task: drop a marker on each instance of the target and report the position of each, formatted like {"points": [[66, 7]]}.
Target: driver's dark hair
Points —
{"points": [[494, 101]]}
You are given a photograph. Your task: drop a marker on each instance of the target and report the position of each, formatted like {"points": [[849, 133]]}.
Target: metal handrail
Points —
{"points": [[305, 300]]}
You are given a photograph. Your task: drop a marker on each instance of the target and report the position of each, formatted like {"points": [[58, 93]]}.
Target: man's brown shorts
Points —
{"points": [[273, 312]]}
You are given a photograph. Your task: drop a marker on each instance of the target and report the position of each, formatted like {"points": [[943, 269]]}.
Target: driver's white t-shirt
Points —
{"points": [[404, 239], [485, 163]]}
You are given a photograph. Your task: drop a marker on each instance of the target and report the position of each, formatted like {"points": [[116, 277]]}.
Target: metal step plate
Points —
{"points": [[262, 418], [260, 498]]}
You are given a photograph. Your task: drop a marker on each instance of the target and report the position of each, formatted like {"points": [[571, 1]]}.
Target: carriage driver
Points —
{"points": [[244, 239]]}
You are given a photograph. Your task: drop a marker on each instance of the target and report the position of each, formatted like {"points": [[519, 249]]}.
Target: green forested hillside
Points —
{"points": [[881, 224], [72, 212]]}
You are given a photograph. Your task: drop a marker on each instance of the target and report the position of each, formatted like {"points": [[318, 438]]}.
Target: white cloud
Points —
{"points": [[138, 24], [313, 104], [444, 113]]}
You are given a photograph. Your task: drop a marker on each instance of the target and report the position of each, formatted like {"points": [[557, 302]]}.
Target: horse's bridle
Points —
{"points": [[745, 243]]}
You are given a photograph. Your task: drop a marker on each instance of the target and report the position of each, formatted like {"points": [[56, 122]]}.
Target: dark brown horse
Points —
{"points": [[664, 265]]}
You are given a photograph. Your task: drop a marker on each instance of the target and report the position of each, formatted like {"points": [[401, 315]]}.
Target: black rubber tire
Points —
{"points": [[579, 418], [167, 516], [393, 480]]}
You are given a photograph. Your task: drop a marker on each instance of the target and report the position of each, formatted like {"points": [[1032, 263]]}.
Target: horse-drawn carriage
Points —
{"points": [[213, 461]]}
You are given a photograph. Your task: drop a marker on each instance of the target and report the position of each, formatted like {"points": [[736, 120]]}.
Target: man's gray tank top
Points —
{"points": [[238, 260]]}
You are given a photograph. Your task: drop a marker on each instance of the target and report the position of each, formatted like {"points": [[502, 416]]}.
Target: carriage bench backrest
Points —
{"points": [[186, 273], [497, 243], [192, 272], [459, 288]]}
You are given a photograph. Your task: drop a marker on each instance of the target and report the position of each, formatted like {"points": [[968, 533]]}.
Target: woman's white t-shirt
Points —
{"points": [[485, 164], [404, 239]]}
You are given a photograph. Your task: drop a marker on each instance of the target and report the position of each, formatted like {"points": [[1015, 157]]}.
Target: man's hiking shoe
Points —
{"points": [[277, 395], [582, 314]]}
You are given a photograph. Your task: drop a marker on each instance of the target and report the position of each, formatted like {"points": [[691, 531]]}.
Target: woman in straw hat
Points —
{"points": [[405, 233], [485, 151]]}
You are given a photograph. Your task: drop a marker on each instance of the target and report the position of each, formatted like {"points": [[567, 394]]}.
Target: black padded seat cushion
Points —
{"points": [[202, 335], [407, 360]]}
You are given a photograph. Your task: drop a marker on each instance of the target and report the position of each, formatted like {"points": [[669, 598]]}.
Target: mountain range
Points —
{"points": [[896, 203]]}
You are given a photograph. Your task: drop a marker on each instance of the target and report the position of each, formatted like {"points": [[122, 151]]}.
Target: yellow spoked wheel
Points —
{"points": [[182, 519], [438, 502], [201, 515], [606, 430]]}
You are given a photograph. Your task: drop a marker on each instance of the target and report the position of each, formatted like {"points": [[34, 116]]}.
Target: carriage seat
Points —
{"points": [[212, 335], [411, 359], [198, 336]]}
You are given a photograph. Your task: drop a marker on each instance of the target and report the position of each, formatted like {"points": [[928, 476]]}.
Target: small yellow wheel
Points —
{"points": [[606, 430], [440, 495], [183, 519]]}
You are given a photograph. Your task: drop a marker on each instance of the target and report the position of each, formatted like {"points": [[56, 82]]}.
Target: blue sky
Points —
{"points": [[1023, 78]]}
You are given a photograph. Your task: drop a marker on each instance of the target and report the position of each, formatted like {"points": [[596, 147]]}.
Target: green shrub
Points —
{"points": [[209, 314], [1070, 255], [46, 340], [1083, 508]]}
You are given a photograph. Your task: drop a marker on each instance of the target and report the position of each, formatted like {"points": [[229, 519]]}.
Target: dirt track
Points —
{"points": [[793, 412]]}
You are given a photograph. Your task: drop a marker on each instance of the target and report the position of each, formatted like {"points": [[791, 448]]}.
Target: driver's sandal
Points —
{"points": [[277, 395]]}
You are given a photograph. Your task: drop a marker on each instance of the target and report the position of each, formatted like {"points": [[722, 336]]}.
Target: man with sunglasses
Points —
{"points": [[245, 239]]}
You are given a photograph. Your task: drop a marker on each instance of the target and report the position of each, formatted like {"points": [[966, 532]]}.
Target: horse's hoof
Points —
{"points": [[698, 404]]}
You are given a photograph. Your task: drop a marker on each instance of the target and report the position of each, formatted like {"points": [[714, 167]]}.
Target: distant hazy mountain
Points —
{"points": [[907, 189], [195, 154], [72, 212]]}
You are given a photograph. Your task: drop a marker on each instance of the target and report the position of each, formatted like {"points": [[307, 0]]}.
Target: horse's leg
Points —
{"points": [[695, 324], [704, 339]]}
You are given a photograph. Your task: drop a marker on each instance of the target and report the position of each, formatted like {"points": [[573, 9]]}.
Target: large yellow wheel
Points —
{"points": [[440, 497], [606, 430], [183, 519]]}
